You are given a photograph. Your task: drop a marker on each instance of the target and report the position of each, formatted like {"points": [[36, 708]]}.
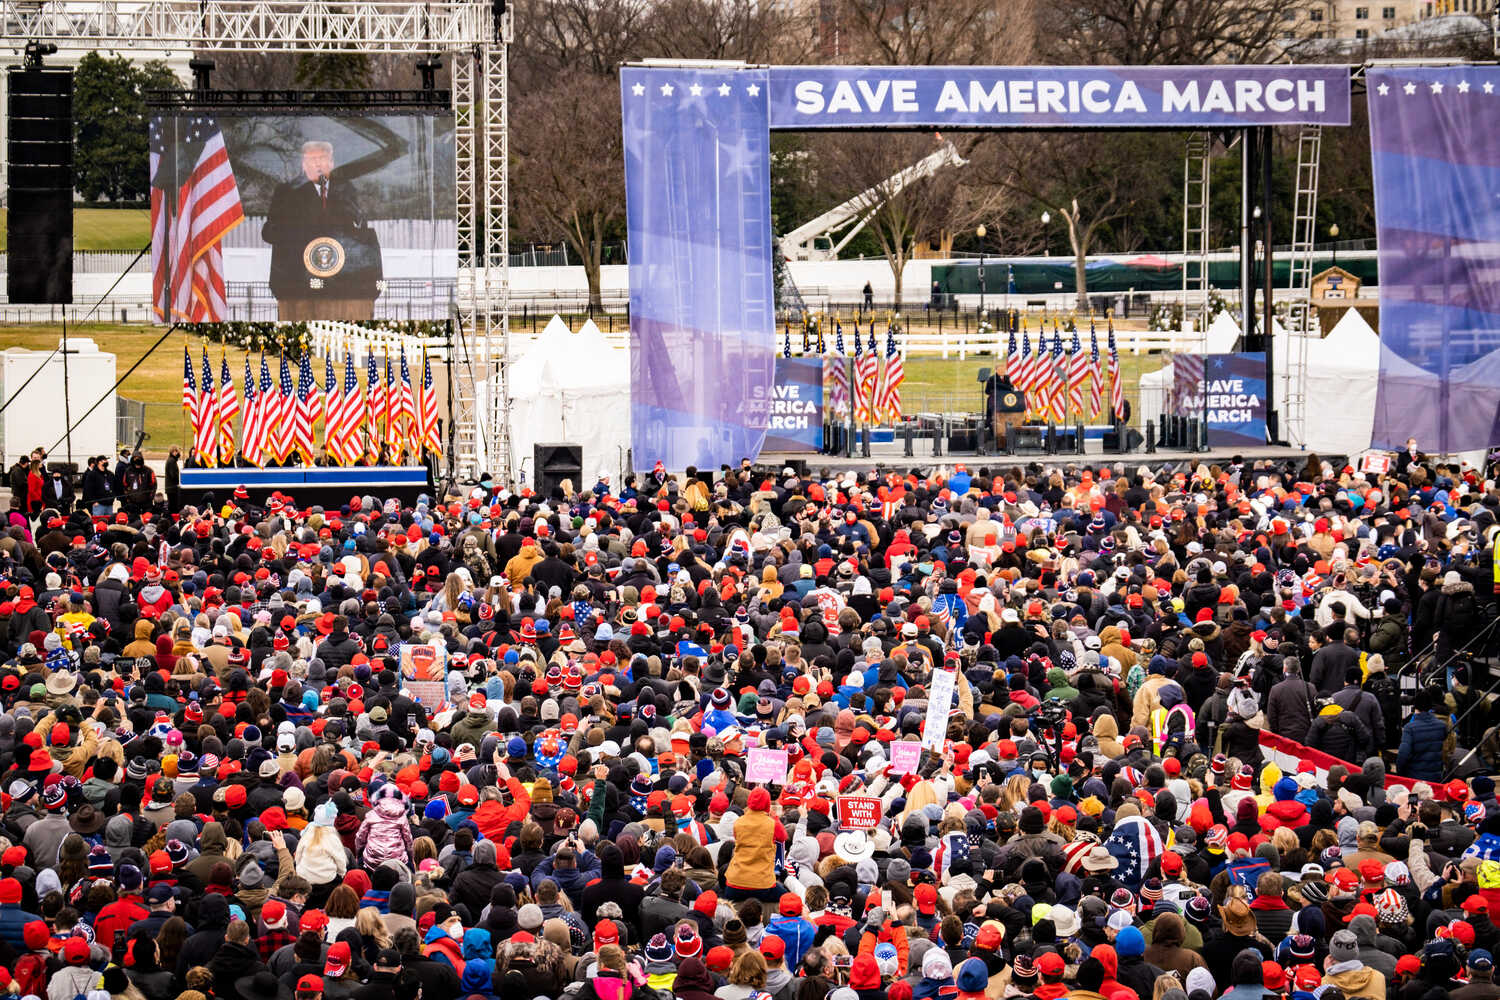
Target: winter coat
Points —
{"points": [[1328, 666], [1290, 707], [72, 981], [385, 833], [1357, 980], [1421, 752], [797, 932], [1340, 734], [753, 864]]}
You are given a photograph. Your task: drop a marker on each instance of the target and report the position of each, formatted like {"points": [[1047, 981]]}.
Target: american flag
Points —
{"points": [[161, 227], [1059, 369], [1096, 376], [208, 206], [1022, 378], [270, 408], [206, 430], [330, 402], [229, 408], [836, 373], [1116, 390], [1013, 357], [375, 411], [251, 446], [866, 379], [392, 412], [1187, 383], [431, 438], [1078, 374], [895, 374], [304, 411], [411, 436], [189, 386], [284, 432], [349, 416]]}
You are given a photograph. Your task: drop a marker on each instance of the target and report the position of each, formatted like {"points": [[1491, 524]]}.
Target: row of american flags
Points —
{"points": [[876, 390], [277, 422], [1065, 382]]}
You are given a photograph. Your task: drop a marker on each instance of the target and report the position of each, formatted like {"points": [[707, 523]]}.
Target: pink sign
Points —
{"points": [[904, 756], [766, 765]]}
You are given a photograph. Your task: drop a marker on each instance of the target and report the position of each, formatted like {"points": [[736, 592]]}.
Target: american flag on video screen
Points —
{"points": [[208, 206], [1187, 380]]}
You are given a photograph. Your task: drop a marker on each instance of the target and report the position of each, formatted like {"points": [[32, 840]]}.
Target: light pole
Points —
{"points": [[979, 234], [1046, 236], [1333, 234]]}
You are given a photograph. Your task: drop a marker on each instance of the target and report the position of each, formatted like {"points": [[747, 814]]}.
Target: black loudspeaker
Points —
{"points": [[555, 462], [39, 151]]}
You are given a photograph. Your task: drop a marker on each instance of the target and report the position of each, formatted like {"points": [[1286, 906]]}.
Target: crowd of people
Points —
{"points": [[1101, 732]]}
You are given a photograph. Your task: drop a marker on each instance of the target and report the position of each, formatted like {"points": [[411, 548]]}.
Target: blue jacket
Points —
{"points": [[797, 933], [13, 921], [1421, 753]]}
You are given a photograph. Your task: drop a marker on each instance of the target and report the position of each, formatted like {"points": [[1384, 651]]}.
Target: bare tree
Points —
{"points": [[1162, 32], [566, 163], [577, 36], [1089, 180], [900, 214], [752, 30], [935, 32]]}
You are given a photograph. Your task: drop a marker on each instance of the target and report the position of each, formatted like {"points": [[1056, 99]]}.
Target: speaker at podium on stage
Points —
{"points": [[1004, 405]]}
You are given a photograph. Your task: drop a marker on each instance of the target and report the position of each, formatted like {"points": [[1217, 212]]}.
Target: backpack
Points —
{"points": [[31, 972]]}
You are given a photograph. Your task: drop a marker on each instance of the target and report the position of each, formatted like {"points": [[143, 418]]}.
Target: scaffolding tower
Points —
{"points": [[1195, 236]]}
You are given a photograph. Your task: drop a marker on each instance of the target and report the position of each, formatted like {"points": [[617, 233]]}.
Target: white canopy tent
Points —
{"points": [[575, 388], [1343, 374]]}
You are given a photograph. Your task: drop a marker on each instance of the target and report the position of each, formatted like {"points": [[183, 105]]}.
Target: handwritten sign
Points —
{"points": [[766, 764], [431, 694], [1375, 463], [859, 812], [904, 756], [939, 705]]}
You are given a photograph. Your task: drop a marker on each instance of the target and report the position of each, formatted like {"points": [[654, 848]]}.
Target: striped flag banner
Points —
{"points": [[208, 206], [284, 431], [1078, 373], [1116, 388], [431, 434], [329, 404], [1058, 410], [229, 409], [895, 374], [189, 386], [1096, 376], [305, 412], [411, 436], [374, 409], [1187, 378], [250, 445], [392, 413], [206, 426]]}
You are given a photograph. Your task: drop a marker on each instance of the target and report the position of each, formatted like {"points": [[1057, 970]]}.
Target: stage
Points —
{"points": [[328, 486], [891, 455]]}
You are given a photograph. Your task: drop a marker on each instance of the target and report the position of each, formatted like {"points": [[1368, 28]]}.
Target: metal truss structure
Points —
{"points": [[475, 35]]}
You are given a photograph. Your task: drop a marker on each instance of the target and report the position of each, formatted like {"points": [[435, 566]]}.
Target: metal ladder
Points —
{"points": [[1300, 324], [1195, 229]]}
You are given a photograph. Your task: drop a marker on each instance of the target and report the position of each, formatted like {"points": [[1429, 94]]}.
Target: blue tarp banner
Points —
{"points": [[1436, 154], [702, 309], [796, 409], [819, 97]]}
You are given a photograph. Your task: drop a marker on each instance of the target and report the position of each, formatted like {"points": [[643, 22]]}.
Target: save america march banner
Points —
{"points": [[1227, 391]]}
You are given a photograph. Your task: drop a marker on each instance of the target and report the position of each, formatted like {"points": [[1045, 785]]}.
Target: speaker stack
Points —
{"points": [[39, 151], [554, 463]]}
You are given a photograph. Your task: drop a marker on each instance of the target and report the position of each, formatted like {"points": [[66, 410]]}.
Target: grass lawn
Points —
{"points": [[931, 383], [105, 228]]}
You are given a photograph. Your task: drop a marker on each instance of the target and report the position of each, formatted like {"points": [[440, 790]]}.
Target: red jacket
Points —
{"points": [[494, 817], [118, 916]]}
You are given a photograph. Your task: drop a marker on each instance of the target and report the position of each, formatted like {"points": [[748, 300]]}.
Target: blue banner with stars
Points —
{"points": [[702, 304], [1436, 159], [1230, 396]]}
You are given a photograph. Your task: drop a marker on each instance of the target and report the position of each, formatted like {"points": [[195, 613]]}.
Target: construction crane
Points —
{"points": [[815, 240]]}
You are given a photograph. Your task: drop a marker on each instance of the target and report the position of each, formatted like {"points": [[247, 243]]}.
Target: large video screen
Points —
{"points": [[276, 215]]}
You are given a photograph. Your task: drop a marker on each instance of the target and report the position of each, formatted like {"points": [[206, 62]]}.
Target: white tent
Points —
{"points": [[575, 388], [1343, 373]]}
